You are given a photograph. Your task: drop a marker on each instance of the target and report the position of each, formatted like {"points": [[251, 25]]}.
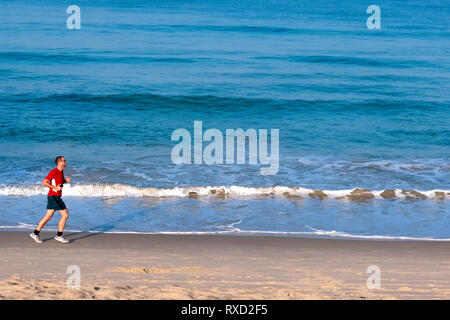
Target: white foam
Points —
{"points": [[19, 226], [236, 231], [121, 190]]}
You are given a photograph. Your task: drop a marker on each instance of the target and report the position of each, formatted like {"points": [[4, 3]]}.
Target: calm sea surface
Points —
{"points": [[356, 108]]}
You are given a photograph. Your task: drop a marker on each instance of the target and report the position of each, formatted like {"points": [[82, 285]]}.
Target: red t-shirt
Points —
{"points": [[55, 177]]}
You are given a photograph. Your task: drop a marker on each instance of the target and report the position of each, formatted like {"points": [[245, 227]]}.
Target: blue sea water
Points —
{"points": [[356, 108]]}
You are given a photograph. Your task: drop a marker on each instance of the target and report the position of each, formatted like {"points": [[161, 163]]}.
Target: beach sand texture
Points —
{"points": [[139, 266]]}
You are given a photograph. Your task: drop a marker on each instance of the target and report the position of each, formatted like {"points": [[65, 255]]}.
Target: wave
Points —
{"points": [[140, 98], [100, 57], [354, 61], [412, 166], [234, 28], [293, 193], [215, 28], [54, 58], [217, 103]]}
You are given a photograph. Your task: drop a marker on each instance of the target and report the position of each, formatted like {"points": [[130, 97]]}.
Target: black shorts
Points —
{"points": [[55, 203]]}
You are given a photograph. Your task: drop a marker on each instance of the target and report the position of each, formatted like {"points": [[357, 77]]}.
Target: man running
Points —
{"points": [[54, 180]]}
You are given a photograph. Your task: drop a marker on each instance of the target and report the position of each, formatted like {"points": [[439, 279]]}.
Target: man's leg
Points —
{"points": [[45, 219], [62, 221]]}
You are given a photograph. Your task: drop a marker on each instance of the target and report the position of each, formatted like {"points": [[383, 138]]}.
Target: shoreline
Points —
{"points": [[321, 234], [161, 266]]}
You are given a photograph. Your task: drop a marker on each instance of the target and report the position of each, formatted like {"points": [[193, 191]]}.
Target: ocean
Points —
{"points": [[355, 108]]}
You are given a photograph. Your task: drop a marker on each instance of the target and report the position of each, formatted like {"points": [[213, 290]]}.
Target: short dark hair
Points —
{"points": [[58, 159]]}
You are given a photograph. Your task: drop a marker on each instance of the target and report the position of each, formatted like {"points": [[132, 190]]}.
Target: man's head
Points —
{"points": [[60, 161]]}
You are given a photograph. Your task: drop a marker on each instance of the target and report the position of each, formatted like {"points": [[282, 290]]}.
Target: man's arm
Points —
{"points": [[46, 183]]}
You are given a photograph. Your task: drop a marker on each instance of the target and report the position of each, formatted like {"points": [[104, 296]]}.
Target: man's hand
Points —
{"points": [[67, 179], [46, 183]]}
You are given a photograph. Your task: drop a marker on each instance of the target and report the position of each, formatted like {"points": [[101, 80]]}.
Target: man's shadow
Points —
{"points": [[92, 232], [103, 228]]}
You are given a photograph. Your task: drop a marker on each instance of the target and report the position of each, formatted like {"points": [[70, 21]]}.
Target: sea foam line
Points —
{"points": [[121, 190], [236, 231]]}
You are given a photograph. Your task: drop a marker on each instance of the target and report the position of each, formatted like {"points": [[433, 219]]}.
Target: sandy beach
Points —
{"points": [[137, 266]]}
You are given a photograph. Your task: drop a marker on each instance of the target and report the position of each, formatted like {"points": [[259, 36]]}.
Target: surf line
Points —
{"points": [[213, 153]]}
